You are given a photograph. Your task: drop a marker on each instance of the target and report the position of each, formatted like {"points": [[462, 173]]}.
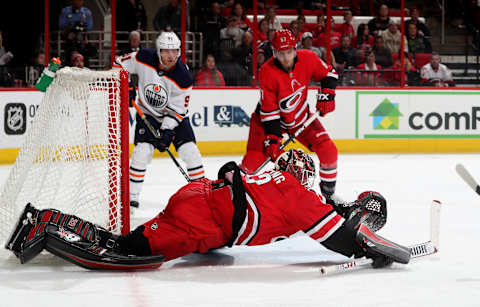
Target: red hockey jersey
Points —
{"points": [[283, 95], [279, 206]]}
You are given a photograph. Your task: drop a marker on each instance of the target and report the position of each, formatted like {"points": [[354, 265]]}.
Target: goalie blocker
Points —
{"points": [[74, 240]]}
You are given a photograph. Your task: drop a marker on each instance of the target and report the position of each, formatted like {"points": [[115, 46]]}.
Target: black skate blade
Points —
{"points": [[22, 228]]}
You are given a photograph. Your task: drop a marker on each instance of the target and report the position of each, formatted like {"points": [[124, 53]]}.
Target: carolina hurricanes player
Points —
{"points": [[206, 214], [283, 108], [164, 90]]}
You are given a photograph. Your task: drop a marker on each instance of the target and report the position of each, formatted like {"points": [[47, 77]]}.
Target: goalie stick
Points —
{"points": [[416, 250], [290, 139], [157, 135], [467, 177]]}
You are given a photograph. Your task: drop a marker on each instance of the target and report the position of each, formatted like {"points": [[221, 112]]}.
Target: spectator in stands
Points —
{"points": [[76, 16], [307, 43], [168, 17], [319, 26], [244, 52], [371, 75], [133, 43], [383, 56], [411, 74], [392, 38], [131, 16], [267, 45], [5, 56], [262, 32], [232, 31], [301, 20], [293, 27], [380, 22], [209, 75], [239, 11], [347, 27], [77, 60], [435, 73], [421, 27], [272, 20], [260, 58], [335, 38], [417, 43], [233, 73], [345, 55], [211, 26], [78, 41], [363, 42], [36, 67], [6, 78]]}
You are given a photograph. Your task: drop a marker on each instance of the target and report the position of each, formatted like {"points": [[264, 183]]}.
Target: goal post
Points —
{"points": [[76, 152]]}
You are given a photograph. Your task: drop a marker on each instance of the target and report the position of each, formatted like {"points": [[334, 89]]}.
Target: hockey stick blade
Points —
{"points": [[467, 177], [416, 251]]}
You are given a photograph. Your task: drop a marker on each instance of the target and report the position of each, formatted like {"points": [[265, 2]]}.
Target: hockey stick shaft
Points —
{"points": [[290, 139], [416, 251], [157, 135], [467, 177]]}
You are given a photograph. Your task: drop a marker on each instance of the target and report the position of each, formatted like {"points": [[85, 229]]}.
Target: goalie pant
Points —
{"points": [[206, 214]]}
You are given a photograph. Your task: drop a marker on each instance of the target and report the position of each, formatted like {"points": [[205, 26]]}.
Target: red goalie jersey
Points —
{"points": [[283, 95]]}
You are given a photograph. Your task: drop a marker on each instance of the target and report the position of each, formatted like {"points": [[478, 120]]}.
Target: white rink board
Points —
{"points": [[221, 114]]}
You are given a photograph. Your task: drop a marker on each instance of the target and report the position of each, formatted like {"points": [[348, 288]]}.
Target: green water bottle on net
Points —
{"points": [[48, 74]]}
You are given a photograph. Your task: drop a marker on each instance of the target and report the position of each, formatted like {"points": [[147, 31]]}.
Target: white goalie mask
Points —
{"points": [[299, 164], [167, 40]]}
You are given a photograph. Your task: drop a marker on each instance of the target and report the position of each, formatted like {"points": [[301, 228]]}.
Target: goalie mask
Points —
{"points": [[299, 164], [167, 40]]}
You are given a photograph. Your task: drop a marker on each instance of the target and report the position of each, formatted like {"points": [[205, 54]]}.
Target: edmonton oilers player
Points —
{"points": [[164, 89]]}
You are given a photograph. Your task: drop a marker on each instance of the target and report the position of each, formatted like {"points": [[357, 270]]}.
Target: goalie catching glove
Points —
{"points": [[326, 101]]}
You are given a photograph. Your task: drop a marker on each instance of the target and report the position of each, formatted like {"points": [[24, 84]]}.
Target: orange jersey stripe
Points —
{"points": [[196, 174], [135, 175]]}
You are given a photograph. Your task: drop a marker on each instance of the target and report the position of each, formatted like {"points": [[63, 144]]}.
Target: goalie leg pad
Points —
{"points": [[27, 239], [90, 255], [377, 246]]}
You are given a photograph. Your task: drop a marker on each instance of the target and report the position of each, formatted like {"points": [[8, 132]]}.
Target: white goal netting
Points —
{"points": [[75, 154]]}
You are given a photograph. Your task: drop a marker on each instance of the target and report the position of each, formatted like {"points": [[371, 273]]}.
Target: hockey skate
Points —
{"points": [[28, 237]]}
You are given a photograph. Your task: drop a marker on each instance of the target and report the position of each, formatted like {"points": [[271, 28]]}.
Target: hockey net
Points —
{"points": [[75, 154]]}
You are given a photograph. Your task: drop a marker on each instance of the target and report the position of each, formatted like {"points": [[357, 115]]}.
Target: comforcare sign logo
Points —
{"points": [[417, 114], [386, 116]]}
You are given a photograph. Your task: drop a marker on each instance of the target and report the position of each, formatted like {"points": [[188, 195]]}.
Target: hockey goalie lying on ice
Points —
{"points": [[207, 214]]}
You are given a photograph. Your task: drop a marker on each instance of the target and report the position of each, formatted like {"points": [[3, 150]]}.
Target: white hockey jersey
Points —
{"points": [[442, 74], [165, 95]]}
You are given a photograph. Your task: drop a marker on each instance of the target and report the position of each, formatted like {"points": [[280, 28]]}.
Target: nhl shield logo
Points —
{"points": [[15, 121]]}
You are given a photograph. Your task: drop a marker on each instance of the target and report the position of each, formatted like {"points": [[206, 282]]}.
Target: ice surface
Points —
{"points": [[287, 273]]}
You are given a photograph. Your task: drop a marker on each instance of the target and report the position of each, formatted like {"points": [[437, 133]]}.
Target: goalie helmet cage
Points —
{"points": [[76, 152]]}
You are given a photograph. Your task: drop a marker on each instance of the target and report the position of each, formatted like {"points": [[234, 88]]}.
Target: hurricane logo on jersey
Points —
{"points": [[156, 96], [290, 102]]}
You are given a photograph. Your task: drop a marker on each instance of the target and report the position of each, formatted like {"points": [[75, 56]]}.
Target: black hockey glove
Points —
{"points": [[165, 140]]}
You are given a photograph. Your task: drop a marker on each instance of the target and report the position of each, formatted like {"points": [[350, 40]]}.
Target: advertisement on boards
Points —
{"points": [[417, 114]]}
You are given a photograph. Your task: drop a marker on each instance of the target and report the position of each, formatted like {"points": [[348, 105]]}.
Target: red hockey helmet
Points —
{"points": [[283, 40], [299, 164]]}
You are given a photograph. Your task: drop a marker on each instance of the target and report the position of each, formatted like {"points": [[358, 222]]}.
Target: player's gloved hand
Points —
{"points": [[165, 140], [326, 101], [272, 146]]}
